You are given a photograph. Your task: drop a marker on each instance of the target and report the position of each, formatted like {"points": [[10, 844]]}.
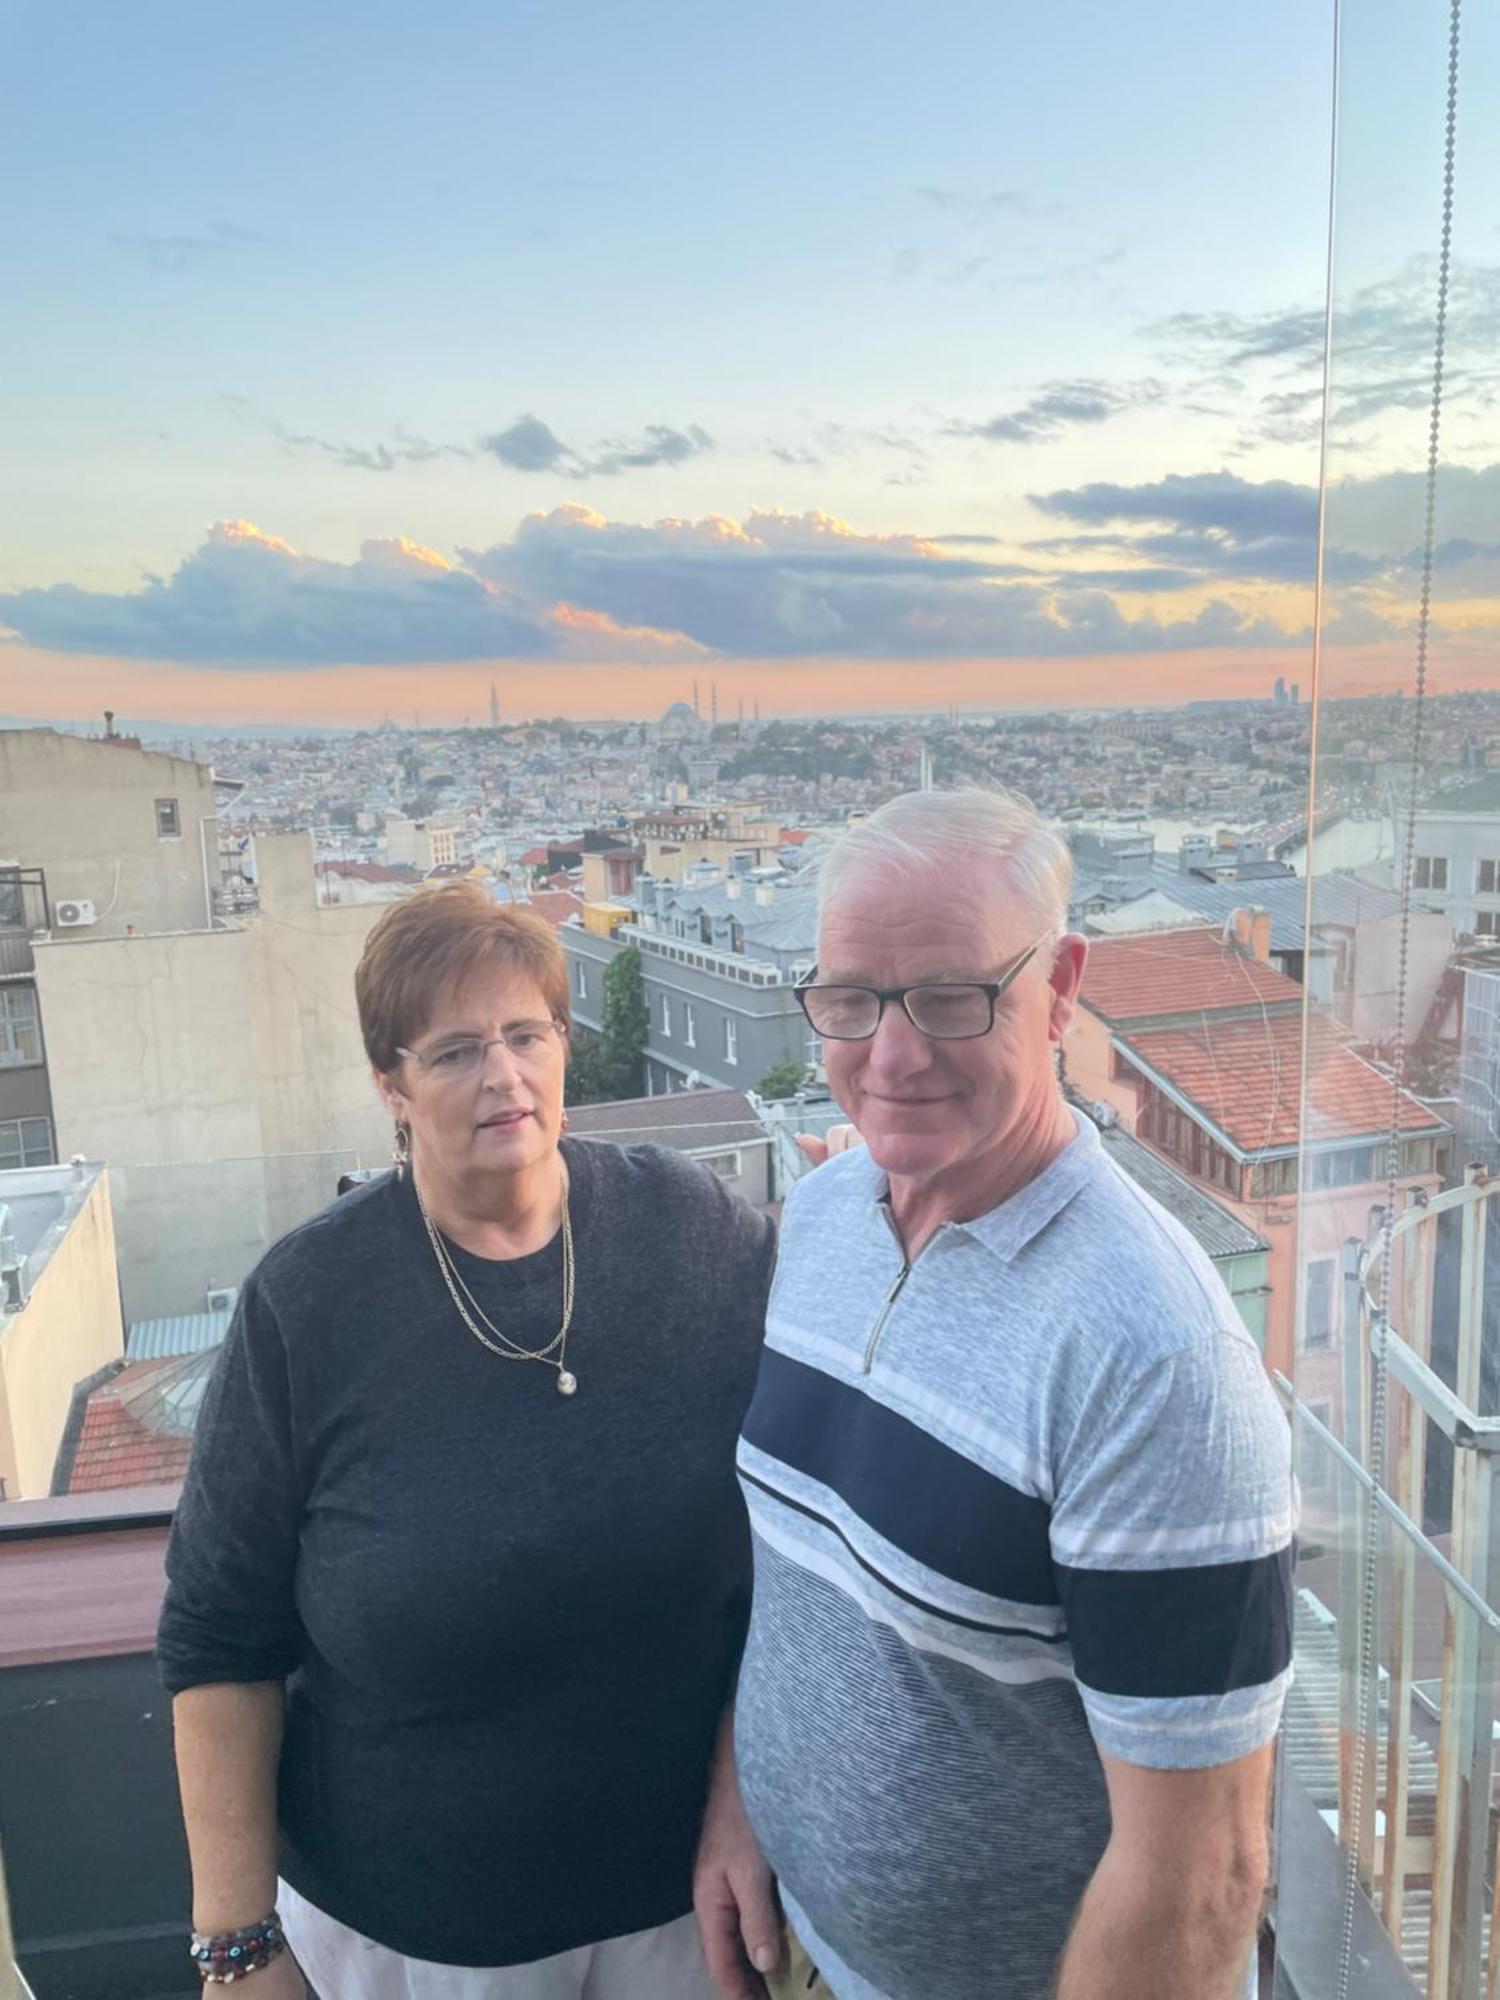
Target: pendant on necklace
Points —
{"points": [[567, 1382]]}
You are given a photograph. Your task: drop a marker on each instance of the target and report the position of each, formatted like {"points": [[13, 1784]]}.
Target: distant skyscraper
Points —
{"points": [[1296, 692], [1278, 693]]}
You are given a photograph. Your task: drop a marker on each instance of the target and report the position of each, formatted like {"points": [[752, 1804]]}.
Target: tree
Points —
{"points": [[785, 1080], [588, 1080], [608, 1065], [626, 1021]]}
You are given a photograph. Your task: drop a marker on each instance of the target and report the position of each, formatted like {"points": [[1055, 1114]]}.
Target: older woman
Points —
{"points": [[459, 1577]]}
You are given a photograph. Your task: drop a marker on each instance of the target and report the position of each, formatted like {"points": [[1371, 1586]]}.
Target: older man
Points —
{"points": [[1021, 1494]]}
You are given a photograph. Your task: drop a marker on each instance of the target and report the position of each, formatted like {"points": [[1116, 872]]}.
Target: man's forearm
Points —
{"points": [[228, 1746], [1139, 1937]]}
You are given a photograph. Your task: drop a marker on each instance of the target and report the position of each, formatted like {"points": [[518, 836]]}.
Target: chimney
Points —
{"points": [[1252, 933]]}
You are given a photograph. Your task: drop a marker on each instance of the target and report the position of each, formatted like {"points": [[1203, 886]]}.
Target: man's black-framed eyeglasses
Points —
{"points": [[946, 1010]]}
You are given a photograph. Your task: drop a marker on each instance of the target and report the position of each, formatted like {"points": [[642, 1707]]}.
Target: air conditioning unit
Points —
{"points": [[74, 915], [221, 1298]]}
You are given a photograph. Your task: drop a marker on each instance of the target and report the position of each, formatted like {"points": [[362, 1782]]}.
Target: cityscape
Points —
{"points": [[599, 457]]}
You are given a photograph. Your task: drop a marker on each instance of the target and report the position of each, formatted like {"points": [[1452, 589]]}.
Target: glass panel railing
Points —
{"points": [[1386, 1884], [1390, 1266]]}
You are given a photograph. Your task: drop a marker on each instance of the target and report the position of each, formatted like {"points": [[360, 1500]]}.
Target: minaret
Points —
{"points": [[494, 707], [713, 703], [696, 710]]}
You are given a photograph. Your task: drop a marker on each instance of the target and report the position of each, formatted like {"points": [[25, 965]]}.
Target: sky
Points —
{"points": [[838, 357]]}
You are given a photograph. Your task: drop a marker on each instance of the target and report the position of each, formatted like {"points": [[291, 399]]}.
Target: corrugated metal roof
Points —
{"points": [[1216, 1228], [183, 1333], [1339, 898]]}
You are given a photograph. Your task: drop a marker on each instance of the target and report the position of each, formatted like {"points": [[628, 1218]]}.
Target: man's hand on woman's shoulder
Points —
{"points": [[837, 1139]]}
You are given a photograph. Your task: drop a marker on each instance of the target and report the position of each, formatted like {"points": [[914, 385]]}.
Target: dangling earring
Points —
{"points": [[401, 1150], [566, 1121]]}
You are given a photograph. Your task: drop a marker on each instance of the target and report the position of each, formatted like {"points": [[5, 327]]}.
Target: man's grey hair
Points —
{"points": [[965, 828]]}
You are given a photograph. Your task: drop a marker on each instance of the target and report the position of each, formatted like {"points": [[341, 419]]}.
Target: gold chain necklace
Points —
{"points": [[555, 1353]]}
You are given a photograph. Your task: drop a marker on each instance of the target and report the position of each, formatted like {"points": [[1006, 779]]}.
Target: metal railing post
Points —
{"points": [[1410, 1471], [1357, 1687], [1466, 1728]]}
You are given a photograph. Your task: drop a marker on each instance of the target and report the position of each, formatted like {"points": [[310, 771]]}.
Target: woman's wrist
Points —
{"points": [[213, 1916]]}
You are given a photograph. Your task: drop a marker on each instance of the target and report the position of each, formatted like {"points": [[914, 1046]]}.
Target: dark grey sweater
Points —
{"points": [[508, 1620]]}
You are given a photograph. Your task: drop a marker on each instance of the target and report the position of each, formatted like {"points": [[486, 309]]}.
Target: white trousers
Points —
{"points": [[340, 1964]]}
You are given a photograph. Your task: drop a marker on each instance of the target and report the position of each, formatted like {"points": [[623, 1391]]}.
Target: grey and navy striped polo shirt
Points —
{"points": [[1024, 1500]]}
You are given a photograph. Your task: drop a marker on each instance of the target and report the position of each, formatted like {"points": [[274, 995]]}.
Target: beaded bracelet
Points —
{"points": [[229, 1955]]}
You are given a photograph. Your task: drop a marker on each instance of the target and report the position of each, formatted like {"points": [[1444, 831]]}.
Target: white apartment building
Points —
{"points": [[1456, 857]]}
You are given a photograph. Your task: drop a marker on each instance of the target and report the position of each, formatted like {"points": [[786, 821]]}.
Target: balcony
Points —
{"points": [[17, 959], [24, 910]]}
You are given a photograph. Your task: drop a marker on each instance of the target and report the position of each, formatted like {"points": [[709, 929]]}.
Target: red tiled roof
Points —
{"points": [[534, 857], [116, 1448], [1246, 1078], [794, 836], [555, 905], [1154, 973]]}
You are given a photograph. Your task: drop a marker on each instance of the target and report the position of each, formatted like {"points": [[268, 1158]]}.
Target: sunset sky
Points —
{"points": [[845, 357]]}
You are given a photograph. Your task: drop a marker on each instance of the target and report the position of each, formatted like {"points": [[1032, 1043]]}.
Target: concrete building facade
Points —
{"points": [[98, 838], [419, 843], [127, 833], [221, 1074]]}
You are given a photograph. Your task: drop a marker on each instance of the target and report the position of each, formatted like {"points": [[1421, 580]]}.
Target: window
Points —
{"points": [[731, 1041], [1487, 923], [168, 825], [689, 1024], [1487, 878], [666, 1013], [1346, 1168], [1317, 1302], [727, 1166], [25, 1142], [583, 980], [1275, 1177], [1430, 871], [20, 1027]]}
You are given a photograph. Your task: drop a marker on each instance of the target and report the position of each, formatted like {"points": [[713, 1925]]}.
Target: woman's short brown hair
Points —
{"points": [[441, 937]]}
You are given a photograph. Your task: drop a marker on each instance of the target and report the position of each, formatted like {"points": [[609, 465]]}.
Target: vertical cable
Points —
{"points": [[1370, 1551]]}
